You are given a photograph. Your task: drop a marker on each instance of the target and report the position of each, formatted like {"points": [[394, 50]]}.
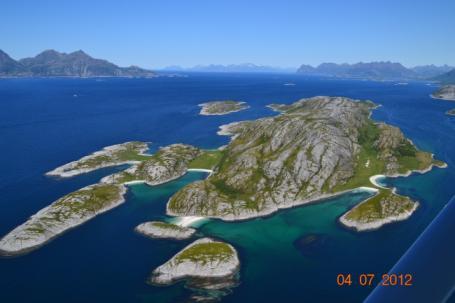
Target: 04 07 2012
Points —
{"points": [[370, 279]]}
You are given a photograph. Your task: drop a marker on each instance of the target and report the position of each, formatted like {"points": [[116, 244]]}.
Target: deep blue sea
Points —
{"points": [[45, 123]]}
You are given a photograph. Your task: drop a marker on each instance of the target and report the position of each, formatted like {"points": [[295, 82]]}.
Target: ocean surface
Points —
{"points": [[294, 255]]}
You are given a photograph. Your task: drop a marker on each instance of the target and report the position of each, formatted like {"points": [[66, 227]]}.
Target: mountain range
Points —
{"points": [[382, 70], [232, 68], [447, 78], [51, 63]]}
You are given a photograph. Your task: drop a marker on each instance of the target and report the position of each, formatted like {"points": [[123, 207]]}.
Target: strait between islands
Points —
{"points": [[314, 149]]}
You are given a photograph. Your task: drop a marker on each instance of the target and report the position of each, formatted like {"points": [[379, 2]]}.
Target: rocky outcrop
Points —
{"points": [[279, 162], [204, 259], [382, 209], [62, 215], [118, 154], [317, 148], [162, 230], [169, 163], [222, 107], [446, 92]]}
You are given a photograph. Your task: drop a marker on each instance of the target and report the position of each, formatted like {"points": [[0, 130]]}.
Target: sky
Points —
{"points": [[286, 33]]}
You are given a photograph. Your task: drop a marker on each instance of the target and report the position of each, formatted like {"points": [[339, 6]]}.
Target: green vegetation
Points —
{"points": [[382, 205], [129, 152], [207, 160], [368, 163], [89, 200], [164, 225], [206, 252]]}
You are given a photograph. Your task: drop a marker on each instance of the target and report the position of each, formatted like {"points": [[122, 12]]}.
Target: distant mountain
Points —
{"points": [[430, 71], [9, 66], [447, 78], [371, 70], [232, 68], [51, 63]]}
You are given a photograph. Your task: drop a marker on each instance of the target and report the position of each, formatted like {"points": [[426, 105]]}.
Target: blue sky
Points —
{"points": [[157, 33]]}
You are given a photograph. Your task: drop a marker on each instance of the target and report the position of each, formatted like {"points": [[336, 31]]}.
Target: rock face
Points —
{"points": [[51, 63], [169, 163], [125, 153], [62, 215], [316, 148], [222, 107], [204, 258], [162, 230], [446, 92], [368, 216]]}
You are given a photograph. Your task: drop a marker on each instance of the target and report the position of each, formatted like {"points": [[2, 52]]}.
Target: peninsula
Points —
{"points": [[316, 148], [204, 259], [222, 107]]}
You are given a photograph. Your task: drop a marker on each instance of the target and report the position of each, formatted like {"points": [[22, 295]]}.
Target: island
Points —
{"points": [[446, 92], [67, 212], [222, 107], [73, 209], [118, 154], [215, 263], [163, 230], [316, 148], [451, 112]]}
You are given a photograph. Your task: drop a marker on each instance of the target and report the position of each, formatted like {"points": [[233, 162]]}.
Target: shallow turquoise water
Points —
{"points": [[104, 260]]}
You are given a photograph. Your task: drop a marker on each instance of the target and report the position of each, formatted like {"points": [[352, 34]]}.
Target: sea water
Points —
{"points": [[294, 255]]}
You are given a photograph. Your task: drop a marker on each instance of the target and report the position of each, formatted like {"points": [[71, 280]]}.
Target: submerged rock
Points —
{"points": [[311, 244], [162, 230], [206, 262]]}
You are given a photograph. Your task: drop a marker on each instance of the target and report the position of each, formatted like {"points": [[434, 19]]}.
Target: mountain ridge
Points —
{"points": [[51, 63]]}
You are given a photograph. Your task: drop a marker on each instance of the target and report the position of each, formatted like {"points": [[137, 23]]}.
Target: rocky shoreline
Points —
{"points": [[204, 258], [370, 226], [64, 214]]}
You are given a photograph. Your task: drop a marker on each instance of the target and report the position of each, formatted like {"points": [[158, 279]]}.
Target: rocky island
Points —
{"points": [[204, 259], [316, 148], [446, 92], [163, 230], [118, 154], [222, 107], [451, 112], [62, 215], [169, 163]]}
